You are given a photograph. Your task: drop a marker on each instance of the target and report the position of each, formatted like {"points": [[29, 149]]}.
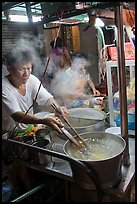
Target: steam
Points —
{"points": [[32, 44], [79, 62], [66, 82], [35, 45]]}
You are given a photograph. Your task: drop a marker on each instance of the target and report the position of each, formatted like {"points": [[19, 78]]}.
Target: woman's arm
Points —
{"points": [[65, 59], [92, 86], [52, 121]]}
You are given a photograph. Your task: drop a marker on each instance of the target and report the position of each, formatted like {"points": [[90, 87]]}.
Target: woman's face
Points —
{"points": [[21, 72], [82, 70]]}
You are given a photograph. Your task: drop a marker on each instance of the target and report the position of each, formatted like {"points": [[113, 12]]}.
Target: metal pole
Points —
{"points": [[122, 81], [27, 194], [28, 10]]}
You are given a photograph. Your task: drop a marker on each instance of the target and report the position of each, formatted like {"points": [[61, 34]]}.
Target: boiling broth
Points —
{"points": [[98, 149]]}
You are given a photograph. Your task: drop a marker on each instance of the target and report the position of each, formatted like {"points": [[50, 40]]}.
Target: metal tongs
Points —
{"points": [[70, 137]]}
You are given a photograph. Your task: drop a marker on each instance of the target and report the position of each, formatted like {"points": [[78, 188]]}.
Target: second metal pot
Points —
{"points": [[108, 170], [86, 120]]}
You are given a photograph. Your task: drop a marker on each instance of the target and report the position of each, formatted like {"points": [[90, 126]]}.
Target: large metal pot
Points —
{"points": [[86, 120], [83, 120], [107, 170]]}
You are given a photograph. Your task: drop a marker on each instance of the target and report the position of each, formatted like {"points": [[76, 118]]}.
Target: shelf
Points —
{"points": [[115, 63], [109, 66]]}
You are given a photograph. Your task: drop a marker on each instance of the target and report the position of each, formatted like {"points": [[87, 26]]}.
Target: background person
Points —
{"points": [[59, 58], [87, 82], [74, 82], [84, 82]]}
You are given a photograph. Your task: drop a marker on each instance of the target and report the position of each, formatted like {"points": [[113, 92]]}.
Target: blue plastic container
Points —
{"points": [[131, 121]]}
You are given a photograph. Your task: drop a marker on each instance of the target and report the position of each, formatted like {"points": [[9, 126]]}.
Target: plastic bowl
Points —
{"points": [[114, 130]]}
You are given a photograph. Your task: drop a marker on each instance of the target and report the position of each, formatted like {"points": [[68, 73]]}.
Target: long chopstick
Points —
{"points": [[66, 120]]}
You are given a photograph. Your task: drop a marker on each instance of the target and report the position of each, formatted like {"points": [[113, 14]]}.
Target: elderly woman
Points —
{"points": [[19, 90]]}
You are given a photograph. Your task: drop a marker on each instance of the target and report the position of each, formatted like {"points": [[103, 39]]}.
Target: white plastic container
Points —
{"points": [[114, 130]]}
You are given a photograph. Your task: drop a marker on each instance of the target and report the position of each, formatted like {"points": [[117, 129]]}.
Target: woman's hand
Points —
{"points": [[96, 92], [53, 122], [63, 112]]}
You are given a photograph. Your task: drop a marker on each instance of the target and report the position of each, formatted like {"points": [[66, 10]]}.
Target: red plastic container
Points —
{"points": [[129, 52]]}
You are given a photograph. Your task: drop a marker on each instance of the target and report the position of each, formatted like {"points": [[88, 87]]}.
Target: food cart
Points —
{"points": [[61, 166]]}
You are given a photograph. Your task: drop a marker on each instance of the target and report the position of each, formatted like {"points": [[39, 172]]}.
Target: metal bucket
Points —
{"points": [[43, 133], [39, 157], [107, 170]]}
